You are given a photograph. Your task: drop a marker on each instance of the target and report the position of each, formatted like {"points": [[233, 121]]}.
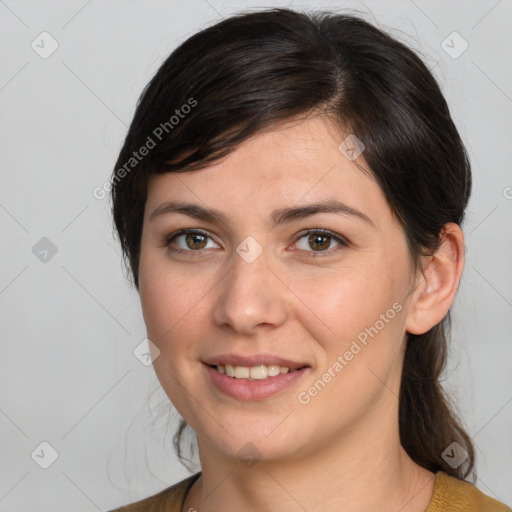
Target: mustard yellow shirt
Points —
{"points": [[450, 495]]}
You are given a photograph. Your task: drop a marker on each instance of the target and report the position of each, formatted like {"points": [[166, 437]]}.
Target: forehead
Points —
{"points": [[298, 162]]}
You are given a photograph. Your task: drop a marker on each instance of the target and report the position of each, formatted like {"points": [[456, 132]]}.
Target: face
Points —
{"points": [[273, 278]]}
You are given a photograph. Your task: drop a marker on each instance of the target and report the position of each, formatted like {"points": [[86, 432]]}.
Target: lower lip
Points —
{"points": [[258, 389]]}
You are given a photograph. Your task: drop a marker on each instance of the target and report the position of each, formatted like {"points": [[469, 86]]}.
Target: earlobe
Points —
{"points": [[437, 285]]}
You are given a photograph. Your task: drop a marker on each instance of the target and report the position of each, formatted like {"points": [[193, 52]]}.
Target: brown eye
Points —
{"points": [[195, 241], [188, 240], [320, 241]]}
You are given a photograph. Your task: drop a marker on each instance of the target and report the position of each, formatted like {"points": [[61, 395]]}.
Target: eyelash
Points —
{"points": [[312, 254]]}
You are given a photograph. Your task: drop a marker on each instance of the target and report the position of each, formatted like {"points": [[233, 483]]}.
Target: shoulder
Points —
{"points": [[168, 500], [454, 495]]}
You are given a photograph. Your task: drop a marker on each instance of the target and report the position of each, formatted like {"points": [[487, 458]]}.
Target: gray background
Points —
{"points": [[69, 325]]}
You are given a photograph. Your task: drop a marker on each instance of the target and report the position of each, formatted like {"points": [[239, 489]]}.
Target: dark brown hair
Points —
{"points": [[253, 70]]}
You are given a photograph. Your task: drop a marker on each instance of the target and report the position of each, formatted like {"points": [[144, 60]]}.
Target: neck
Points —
{"points": [[361, 470]]}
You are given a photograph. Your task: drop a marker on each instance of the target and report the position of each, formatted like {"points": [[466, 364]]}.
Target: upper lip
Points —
{"points": [[253, 360]]}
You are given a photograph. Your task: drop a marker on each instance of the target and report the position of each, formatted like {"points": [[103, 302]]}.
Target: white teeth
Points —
{"points": [[259, 372], [242, 372], [273, 370]]}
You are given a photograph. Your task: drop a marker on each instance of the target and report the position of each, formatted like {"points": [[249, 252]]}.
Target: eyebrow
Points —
{"points": [[279, 216]]}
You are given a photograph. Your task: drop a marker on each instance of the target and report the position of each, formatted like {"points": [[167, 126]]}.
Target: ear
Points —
{"points": [[435, 287]]}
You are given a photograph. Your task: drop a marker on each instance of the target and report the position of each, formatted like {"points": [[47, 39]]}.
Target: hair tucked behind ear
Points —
{"points": [[251, 71]]}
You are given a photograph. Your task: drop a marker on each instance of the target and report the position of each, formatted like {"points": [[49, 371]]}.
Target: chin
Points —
{"points": [[253, 439]]}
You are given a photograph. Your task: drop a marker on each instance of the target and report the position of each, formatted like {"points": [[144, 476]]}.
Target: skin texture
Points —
{"points": [[342, 446]]}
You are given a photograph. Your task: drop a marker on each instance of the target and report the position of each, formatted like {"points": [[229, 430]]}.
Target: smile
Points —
{"points": [[258, 372], [255, 382]]}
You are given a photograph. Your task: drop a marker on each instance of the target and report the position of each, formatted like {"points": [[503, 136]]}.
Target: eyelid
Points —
{"points": [[342, 241], [186, 231]]}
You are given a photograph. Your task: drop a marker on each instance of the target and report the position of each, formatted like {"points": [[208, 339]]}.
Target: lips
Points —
{"points": [[254, 389], [254, 376]]}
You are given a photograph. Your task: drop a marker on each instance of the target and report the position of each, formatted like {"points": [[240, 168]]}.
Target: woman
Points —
{"points": [[289, 200]]}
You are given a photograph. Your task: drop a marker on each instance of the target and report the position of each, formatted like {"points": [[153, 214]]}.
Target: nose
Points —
{"points": [[251, 295]]}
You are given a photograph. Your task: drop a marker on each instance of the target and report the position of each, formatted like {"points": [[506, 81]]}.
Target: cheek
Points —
{"points": [[174, 305], [164, 308], [158, 292], [343, 303], [174, 308], [360, 313]]}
